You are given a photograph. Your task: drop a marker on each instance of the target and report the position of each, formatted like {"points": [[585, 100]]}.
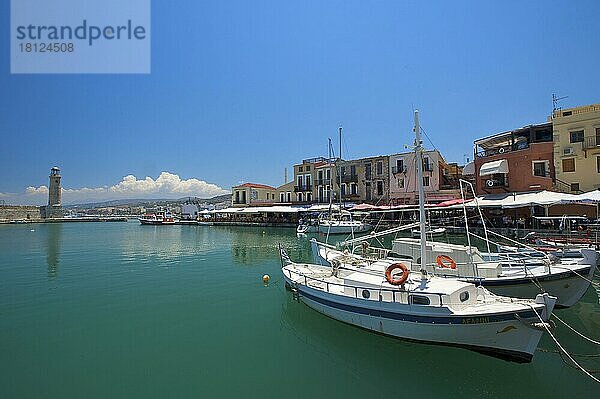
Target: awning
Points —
{"points": [[490, 168], [469, 169]]}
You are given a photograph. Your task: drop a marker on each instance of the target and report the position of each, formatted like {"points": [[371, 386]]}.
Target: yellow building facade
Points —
{"points": [[577, 148]]}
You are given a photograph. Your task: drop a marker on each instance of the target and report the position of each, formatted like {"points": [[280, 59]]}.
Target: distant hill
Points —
{"points": [[147, 202]]}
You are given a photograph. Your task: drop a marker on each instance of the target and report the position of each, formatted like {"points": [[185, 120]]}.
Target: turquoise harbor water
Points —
{"points": [[119, 310]]}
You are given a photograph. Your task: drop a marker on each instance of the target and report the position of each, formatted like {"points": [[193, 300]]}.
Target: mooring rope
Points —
{"points": [[575, 331], [563, 350]]}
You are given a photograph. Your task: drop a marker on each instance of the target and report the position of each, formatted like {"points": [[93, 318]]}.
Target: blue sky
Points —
{"points": [[240, 90]]}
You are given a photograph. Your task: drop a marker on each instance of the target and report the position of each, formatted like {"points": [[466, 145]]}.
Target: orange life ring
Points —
{"points": [[442, 261], [402, 279]]}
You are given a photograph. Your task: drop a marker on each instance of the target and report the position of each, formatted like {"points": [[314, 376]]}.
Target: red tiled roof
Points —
{"points": [[255, 185]]}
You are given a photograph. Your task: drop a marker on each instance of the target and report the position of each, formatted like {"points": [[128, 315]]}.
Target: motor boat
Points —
{"points": [[159, 218]]}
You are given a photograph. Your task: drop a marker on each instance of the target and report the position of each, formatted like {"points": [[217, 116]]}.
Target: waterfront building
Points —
{"points": [[314, 179], [350, 170], [249, 194], [286, 193], [518, 160], [577, 148], [189, 210], [374, 179], [440, 179]]}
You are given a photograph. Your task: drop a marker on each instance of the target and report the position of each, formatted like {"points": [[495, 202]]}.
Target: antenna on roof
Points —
{"points": [[555, 101]]}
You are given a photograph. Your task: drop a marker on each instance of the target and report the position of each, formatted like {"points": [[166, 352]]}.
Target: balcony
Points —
{"points": [[351, 195], [349, 178], [591, 142], [306, 187], [323, 182], [495, 183], [523, 145], [396, 169]]}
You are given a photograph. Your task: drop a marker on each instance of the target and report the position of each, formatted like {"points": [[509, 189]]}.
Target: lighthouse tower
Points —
{"points": [[54, 191], [54, 208]]}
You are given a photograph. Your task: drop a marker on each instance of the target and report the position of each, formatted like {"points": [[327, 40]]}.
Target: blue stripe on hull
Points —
{"points": [[526, 280], [420, 318]]}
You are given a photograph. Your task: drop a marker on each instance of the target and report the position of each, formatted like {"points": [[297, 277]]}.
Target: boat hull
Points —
{"points": [[155, 222], [344, 229], [507, 337], [567, 284]]}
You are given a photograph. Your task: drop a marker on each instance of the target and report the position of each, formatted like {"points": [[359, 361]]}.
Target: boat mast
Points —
{"points": [[330, 181], [419, 159], [339, 169]]}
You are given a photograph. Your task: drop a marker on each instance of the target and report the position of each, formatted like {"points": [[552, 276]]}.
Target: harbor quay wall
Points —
{"points": [[19, 212]]}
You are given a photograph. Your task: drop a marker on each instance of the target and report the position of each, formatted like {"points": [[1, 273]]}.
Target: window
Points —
{"points": [[307, 168], [281, 197], [300, 197], [426, 164], [598, 164], [399, 165], [366, 294], [540, 168], [419, 300], [299, 168], [299, 181], [464, 296], [368, 171], [576, 136], [368, 191], [380, 167], [400, 183], [379, 188], [574, 186], [353, 188], [352, 170], [568, 165], [343, 170], [426, 181], [307, 180], [343, 189], [328, 174], [309, 196], [289, 197]]}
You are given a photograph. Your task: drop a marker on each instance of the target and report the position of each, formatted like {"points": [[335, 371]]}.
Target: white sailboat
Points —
{"points": [[419, 306]]}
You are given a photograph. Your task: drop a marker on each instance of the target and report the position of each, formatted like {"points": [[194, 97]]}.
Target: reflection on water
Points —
{"points": [[251, 246], [53, 242], [168, 244]]}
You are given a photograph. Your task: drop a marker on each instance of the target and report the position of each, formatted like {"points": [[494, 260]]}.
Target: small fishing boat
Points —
{"points": [[433, 232], [159, 218], [333, 223], [343, 226], [422, 307]]}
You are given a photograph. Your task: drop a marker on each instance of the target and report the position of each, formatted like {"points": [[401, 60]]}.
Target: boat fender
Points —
{"points": [[501, 150], [445, 261], [402, 279]]}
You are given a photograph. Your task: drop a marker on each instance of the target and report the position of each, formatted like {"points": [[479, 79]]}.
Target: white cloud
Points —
{"points": [[167, 185]]}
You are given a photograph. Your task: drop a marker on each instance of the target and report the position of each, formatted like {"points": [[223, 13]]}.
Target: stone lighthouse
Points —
{"points": [[54, 191], [54, 208]]}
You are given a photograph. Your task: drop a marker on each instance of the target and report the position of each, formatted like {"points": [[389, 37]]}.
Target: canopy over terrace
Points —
{"points": [[260, 209]]}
